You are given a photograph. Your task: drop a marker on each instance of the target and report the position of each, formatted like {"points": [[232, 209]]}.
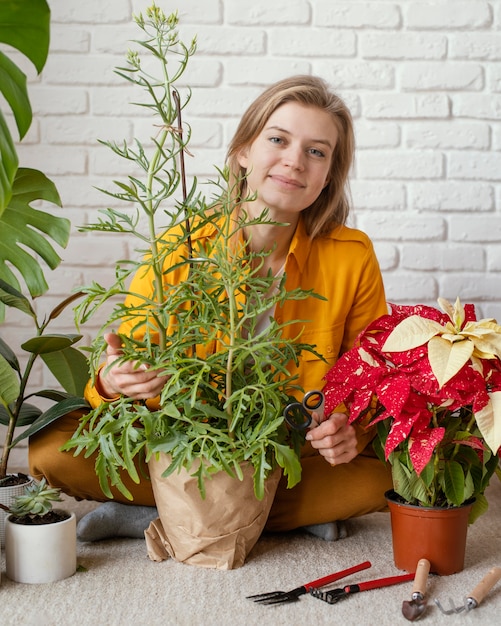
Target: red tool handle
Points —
{"points": [[379, 582], [333, 577]]}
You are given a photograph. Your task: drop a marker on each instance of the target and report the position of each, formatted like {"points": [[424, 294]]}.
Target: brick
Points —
{"points": [[321, 42], [64, 100], [494, 78], [402, 46], [357, 75], [476, 228], [450, 15], [494, 258], [224, 101], [103, 252], [67, 39], [405, 106], [79, 69], [190, 11], [469, 287], [474, 165], [441, 77], [381, 226], [399, 164], [443, 257], [454, 195], [481, 45], [379, 194], [59, 160], [71, 130], [222, 40], [264, 13], [90, 12], [262, 72], [377, 135], [410, 287], [387, 256], [491, 310], [477, 106], [448, 134], [356, 14]]}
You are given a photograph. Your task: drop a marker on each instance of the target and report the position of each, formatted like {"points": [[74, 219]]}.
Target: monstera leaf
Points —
{"points": [[24, 25], [25, 233]]}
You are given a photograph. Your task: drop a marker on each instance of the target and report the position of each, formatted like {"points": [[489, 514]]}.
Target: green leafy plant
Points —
{"points": [[25, 232], [34, 506], [227, 382], [24, 242], [431, 383], [67, 364]]}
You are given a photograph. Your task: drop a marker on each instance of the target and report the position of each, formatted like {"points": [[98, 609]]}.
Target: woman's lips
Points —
{"points": [[284, 181]]}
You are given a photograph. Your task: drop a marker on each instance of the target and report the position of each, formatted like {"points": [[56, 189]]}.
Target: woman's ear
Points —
{"points": [[243, 158]]}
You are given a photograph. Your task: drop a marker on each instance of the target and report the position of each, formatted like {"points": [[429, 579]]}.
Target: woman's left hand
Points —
{"points": [[334, 439]]}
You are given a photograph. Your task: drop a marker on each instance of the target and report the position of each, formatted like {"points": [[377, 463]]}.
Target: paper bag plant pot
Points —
{"points": [[216, 532]]}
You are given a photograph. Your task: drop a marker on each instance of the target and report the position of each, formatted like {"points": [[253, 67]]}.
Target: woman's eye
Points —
{"points": [[276, 139], [316, 152]]}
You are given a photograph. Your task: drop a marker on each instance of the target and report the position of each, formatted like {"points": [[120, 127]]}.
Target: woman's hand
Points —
{"points": [[128, 379], [334, 439]]}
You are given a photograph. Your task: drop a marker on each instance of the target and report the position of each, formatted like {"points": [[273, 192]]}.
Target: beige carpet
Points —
{"points": [[122, 586]]}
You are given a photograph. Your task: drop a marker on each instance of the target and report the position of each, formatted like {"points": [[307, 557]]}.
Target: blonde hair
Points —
{"points": [[332, 206]]}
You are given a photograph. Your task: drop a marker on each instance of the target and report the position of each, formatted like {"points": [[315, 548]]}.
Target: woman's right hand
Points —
{"points": [[127, 378]]}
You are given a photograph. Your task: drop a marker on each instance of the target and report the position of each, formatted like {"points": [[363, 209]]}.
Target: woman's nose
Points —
{"points": [[294, 157]]}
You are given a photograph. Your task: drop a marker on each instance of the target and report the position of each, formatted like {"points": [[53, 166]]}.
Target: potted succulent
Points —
{"points": [[25, 238], [219, 415], [40, 541], [429, 381]]}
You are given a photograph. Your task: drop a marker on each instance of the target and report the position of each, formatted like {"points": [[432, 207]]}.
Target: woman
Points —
{"points": [[292, 150]]}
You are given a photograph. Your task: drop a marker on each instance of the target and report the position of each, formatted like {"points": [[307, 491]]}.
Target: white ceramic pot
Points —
{"points": [[41, 554], [7, 496]]}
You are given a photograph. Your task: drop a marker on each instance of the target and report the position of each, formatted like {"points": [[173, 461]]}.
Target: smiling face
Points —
{"points": [[288, 163]]}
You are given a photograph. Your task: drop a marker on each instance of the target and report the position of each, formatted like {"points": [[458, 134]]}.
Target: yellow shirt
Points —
{"points": [[341, 266]]}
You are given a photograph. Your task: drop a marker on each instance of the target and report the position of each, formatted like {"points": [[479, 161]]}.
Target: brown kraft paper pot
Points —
{"points": [[218, 531], [437, 534]]}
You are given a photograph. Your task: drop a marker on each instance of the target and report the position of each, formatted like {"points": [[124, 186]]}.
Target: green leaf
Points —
{"points": [[70, 368], [26, 416], [8, 164], [9, 355], [480, 507], [51, 415], [25, 231], [25, 25], [13, 298], [9, 383], [49, 343], [13, 89], [454, 483]]}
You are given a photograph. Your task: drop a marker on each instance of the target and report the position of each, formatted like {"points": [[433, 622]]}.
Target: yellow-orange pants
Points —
{"points": [[324, 494]]}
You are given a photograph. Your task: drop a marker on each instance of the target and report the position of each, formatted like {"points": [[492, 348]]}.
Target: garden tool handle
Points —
{"points": [[338, 575], [420, 578], [379, 582], [484, 586]]}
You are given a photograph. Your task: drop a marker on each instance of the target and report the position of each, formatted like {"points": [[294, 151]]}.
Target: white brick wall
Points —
{"points": [[423, 80]]}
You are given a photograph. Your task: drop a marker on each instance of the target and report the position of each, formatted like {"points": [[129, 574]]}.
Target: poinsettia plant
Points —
{"points": [[429, 381]]}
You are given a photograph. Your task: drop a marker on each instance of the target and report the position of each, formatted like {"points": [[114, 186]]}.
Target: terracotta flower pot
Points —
{"points": [[41, 553], [436, 534]]}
